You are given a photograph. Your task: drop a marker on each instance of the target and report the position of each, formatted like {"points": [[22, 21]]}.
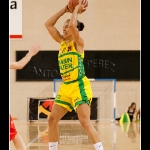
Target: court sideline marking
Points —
{"points": [[35, 138]]}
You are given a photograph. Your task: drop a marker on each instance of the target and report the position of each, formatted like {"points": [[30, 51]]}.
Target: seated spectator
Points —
{"points": [[131, 110]]}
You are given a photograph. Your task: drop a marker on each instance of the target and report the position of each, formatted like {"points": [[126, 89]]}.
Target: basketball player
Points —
{"points": [[14, 135], [75, 91]]}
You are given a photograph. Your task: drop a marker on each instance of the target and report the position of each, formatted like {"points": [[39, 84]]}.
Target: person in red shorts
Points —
{"points": [[14, 135], [13, 130]]}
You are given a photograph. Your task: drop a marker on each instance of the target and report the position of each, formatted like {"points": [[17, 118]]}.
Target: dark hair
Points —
{"points": [[133, 103], [80, 25]]}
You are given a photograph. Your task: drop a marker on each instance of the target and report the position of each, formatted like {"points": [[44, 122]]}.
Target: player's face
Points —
{"points": [[66, 32]]}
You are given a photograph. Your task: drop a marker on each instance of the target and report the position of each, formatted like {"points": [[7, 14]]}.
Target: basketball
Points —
{"points": [[73, 3]]}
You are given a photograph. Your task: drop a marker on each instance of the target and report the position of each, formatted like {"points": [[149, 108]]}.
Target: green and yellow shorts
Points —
{"points": [[71, 95]]}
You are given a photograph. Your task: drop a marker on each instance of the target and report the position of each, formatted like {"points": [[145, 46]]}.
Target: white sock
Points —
{"points": [[98, 146], [53, 145]]}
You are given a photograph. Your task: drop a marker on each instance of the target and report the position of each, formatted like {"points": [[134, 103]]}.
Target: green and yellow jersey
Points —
{"points": [[70, 62]]}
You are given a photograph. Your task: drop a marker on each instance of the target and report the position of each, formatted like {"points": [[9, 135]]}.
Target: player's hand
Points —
{"points": [[83, 2], [67, 9], [81, 7], [35, 49]]}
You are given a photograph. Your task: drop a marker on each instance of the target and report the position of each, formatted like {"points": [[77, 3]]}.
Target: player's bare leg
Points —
{"points": [[83, 111]]}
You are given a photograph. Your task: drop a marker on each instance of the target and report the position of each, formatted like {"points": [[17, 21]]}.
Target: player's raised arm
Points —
{"points": [[75, 26], [52, 21]]}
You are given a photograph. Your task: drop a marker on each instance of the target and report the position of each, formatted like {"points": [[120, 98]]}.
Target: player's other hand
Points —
{"points": [[81, 7], [67, 9]]}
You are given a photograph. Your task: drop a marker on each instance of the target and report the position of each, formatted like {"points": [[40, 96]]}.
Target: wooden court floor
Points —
{"points": [[125, 136]]}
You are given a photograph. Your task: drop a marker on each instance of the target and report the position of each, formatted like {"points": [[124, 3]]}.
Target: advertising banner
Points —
{"points": [[15, 19], [40, 108]]}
